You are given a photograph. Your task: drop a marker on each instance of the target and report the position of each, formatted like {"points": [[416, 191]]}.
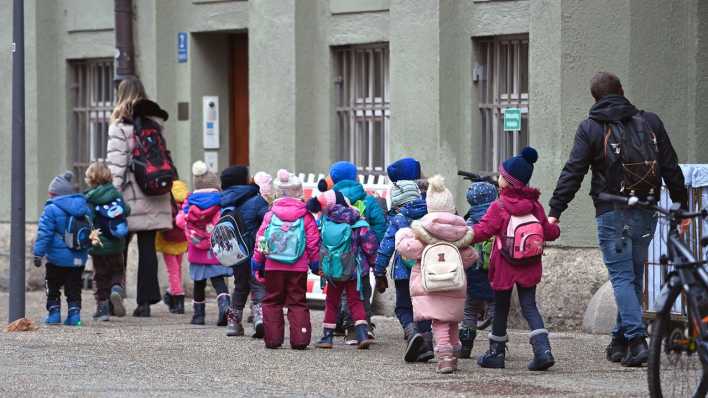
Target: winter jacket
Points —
{"points": [[589, 152], [98, 196], [251, 207], [519, 202], [200, 201], [52, 227], [387, 248], [149, 213], [289, 210], [178, 242], [363, 239], [410, 243], [375, 215]]}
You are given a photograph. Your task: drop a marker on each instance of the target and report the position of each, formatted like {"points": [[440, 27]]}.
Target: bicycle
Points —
{"points": [[677, 348]]}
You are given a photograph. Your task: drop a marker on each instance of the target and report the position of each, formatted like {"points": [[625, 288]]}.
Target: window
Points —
{"points": [[363, 108], [92, 92], [502, 79]]}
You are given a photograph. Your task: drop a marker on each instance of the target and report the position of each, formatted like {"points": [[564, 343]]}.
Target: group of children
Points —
{"points": [[448, 271]]}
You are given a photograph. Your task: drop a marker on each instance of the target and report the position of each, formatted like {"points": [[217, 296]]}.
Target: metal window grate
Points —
{"points": [[363, 108], [92, 92], [503, 71]]}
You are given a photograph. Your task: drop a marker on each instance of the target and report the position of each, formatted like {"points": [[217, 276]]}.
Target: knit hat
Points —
{"points": [[180, 190], [264, 182], [287, 185], [439, 198], [202, 177], [342, 171], [234, 175], [402, 192], [480, 196], [325, 200], [517, 171], [403, 169], [61, 185]]}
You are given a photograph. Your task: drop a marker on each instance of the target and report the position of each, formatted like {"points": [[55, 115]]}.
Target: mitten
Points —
{"points": [[37, 261]]}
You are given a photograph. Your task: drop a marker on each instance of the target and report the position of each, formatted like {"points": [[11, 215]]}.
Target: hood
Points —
{"points": [[289, 209], [519, 201], [441, 226], [203, 199], [353, 190], [415, 209], [612, 108], [74, 204], [343, 214], [103, 194], [237, 195], [148, 108]]}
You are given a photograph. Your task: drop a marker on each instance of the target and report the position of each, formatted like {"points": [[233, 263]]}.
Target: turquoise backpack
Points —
{"points": [[337, 259], [284, 241]]}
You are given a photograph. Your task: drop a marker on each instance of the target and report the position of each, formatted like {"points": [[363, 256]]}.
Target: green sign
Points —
{"points": [[512, 119]]}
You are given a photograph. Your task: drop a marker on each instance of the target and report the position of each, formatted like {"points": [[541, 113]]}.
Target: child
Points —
{"points": [[516, 199], [480, 298], [200, 213], [242, 197], [444, 308], [173, 244], [348, 249], [109, 216], [287, 242], [66, 218]]}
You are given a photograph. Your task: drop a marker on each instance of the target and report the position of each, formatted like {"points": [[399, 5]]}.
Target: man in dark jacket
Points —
{"points": [[624, 234]]}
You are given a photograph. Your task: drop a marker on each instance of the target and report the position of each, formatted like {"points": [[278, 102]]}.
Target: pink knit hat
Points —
{"points": [[264, 182], [287, 185]]}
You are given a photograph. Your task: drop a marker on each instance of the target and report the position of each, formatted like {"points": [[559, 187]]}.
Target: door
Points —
{"points": [[238, 136]]}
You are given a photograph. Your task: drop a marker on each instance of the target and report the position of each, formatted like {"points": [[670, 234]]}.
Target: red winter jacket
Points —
{"points": [[518, 202]]}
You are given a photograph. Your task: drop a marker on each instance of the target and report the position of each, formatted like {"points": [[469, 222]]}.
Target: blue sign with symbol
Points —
{"points": [[182, 47]]}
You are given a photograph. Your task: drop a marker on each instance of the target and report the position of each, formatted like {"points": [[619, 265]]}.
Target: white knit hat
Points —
{"points": [[288, 185], [439, 198]]}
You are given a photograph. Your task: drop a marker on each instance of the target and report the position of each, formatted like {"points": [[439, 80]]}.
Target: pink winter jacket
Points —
{"points": [[410, 243], [290, 209], [195, 255]]}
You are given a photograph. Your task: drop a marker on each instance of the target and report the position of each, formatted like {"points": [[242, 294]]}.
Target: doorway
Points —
{"points": [[238, 136]]}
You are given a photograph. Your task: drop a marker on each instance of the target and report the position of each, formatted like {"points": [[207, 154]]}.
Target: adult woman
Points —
{"points": [[149, 213]]}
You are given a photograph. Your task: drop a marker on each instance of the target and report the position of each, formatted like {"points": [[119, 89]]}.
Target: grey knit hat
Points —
{"points": [[404, 191], [203, 178], [61, 184], [288, 185]]}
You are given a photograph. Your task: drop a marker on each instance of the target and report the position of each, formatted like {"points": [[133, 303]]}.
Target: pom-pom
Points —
{"points": [[283, 175], [322, 185], [436, 183], [199, 168], [68, 176], [313, 205], [529, 154]]}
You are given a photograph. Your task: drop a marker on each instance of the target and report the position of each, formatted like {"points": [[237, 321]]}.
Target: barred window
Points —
{"points": [[502, 79], [363, 108], [92, 92]]}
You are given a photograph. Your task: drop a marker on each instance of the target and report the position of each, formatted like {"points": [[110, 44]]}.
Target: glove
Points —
{"points": [[256, 268], [381, 283], [37, 261], [315, 267]]}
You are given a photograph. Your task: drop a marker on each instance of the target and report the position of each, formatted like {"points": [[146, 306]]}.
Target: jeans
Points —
{"points": [[404, 306], [67, 277], [529, 309], [624, 237]]}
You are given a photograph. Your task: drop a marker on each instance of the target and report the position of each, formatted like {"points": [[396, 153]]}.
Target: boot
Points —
{"points": [[258, 327], [362, 336], [467, 336], [495, 357], [102, 311], [233, 322], [178, 304], [327, 339], [542, 357], [117, 296], [199, 313], [168, 299], [617, 349], [415, 343], [426, 352], [53, 313], [447, 363], [73, 318], [637, 352], [224, 302], [142, 311]]}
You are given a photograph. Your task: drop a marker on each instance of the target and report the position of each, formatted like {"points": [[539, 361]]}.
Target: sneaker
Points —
{"points": [[117, 296], [637, 352], [102, 311], [617, 349], [446, 364]]}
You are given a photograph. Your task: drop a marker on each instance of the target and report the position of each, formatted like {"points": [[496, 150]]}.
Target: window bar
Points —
{"points": [[517, 91], [495, 104], [352, 96]]}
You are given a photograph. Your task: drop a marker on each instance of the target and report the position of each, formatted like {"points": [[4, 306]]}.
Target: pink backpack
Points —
{"points": [[523, 242]]}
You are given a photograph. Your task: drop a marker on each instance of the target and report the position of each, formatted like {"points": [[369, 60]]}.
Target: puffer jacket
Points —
{"points": [[200, 201], [249, 204], [387, 248], [363, 238], [289, 210], [149, 213], [372, 211], [52, 226], [410, 242], [99, 196]]}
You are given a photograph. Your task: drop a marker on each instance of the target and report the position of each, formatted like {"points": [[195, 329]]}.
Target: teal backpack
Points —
{"points": [[284, 241], [337, 259]]}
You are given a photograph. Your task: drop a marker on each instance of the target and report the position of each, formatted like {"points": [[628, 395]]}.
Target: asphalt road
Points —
{"points": [[165, 356]]}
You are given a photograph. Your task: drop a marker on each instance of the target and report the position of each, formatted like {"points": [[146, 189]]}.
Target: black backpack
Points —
{"points": [[151, 161], [632, 155]]}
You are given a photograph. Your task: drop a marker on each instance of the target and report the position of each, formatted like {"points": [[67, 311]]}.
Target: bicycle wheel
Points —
{"points": [[675, 368]]}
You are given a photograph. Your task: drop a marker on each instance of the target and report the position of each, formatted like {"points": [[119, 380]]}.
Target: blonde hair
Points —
{"points": [[130, 91], [98, 173]]}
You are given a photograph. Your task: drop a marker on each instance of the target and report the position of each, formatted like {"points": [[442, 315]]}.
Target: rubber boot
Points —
{"points": [[426, 352], [362, 336], [224, 302], [117, 296], [53, 312], [258, 327], [495, 357], [415, 343], [102, 311], [233, 322], [467, 336], [327, 340], [168, 299], [542, 357], [178, 304], [637, 352], [199, 313], [73, 318]]}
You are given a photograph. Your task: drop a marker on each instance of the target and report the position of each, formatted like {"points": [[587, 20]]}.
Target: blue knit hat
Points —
{"points": [[480, 196], [404, 169], [342, 171], [517, 171]]}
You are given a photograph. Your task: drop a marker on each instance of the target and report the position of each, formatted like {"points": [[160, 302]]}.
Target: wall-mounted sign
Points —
{"points": [[182, 43]]}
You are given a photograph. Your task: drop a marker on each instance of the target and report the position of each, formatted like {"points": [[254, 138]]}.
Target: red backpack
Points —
{"points": [[200, 224], [151, 161]]}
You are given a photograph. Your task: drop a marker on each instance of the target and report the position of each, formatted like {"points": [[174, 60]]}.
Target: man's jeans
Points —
{"points": [[624, 237]]}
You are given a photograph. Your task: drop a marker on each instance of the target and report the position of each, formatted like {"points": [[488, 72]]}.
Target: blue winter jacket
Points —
{"points": [[411, 211], [52, 226], [478, 287], [251, 207], [374, 214]]}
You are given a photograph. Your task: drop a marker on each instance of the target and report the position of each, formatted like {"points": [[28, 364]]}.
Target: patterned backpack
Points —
{"points": [[284, 241]]}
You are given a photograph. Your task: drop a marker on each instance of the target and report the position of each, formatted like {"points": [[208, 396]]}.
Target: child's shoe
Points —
{"points": [[178, 302], [370, 331], [117, 296], [542, 357], [74, 316], [350, 336], [363, 340], [447, 363], [102, 311], [467, 336], [233, 322], [327, 339], [53, 314], [224, 302], [495, 357], [199, 313], [168, 299], [415, 342], [426, 351], [258, 327]]}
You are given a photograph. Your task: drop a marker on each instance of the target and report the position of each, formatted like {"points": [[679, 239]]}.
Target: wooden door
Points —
{"points": [[238, 138]]}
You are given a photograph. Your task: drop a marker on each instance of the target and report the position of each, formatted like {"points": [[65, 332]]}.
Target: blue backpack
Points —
{"points": [[77, 234], [110, 219], [284, 241]]}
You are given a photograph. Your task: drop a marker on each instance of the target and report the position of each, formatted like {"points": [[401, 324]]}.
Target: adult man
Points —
{"points": [[624, 234]]}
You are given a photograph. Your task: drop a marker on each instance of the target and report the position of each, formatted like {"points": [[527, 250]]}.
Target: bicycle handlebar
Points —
{"points": [[474, 177], [632, 201]]}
